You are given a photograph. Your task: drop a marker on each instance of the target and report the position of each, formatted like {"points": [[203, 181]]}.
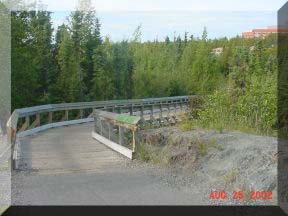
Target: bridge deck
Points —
{"points": [[66, 149], [70, 168]]}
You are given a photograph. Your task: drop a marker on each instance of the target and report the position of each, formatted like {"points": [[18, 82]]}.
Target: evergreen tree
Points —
{"points": [[103, 87], [167, 40], [66, 87], [31, 54]]}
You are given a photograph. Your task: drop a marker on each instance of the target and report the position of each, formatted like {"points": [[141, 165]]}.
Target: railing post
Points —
{"points": [[66, 115], [96, 124], [27, 121], [120, 137], [160, 107], [152, 112], [50, 117], [168, 114], [109, 131], [175, 106], [37, 120], [81, 113], [101, 128], [131, 110], [142, 113], [11, 136], [133, 141]]}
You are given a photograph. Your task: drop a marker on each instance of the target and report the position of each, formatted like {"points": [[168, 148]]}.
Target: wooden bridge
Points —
{"points": [[65, 149]]}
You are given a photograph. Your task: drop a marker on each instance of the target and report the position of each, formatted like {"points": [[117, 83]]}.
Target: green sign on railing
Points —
{"points": [[127, 119]]}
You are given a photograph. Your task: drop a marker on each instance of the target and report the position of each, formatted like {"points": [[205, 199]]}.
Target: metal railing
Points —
{"points": [[27, 121], [118, 131]]}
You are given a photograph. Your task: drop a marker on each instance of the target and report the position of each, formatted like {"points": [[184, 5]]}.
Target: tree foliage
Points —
{"points": [[237, 75]]}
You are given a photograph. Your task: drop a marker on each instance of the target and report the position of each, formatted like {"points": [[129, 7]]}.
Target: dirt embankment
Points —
{"points": [[215, 161]]}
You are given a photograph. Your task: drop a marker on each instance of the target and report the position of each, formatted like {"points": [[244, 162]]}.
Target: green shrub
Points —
{"points": [[253, 110]]}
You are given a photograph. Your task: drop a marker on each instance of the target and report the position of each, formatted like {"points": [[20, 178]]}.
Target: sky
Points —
{"points": [[168, 5], [159, 18]]}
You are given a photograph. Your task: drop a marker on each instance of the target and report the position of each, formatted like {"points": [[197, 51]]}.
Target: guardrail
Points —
{"points": [[27, 121]]}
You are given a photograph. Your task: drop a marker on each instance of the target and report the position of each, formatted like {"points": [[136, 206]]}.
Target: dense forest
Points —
{"points": [[76, 63]]}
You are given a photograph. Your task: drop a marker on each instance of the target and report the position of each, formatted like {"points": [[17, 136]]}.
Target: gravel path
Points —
{"points": [[117, 186], [137, 183]]}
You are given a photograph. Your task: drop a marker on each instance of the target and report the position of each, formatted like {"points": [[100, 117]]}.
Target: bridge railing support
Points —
{"points": [[30, 120], [117, 131]]}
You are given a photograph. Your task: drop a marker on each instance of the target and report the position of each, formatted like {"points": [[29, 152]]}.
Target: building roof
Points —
{"points": [[270, 30], [248, 33]]}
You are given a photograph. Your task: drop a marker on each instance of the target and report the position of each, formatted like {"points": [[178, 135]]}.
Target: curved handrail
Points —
{"points": [[23, 112], [13, 122]]}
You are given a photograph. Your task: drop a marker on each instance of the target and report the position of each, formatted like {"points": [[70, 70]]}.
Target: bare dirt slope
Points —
{"points": [[212, 160]]}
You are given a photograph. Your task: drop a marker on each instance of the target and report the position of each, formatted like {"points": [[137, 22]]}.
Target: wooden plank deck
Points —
{"points": [[64, 150]]}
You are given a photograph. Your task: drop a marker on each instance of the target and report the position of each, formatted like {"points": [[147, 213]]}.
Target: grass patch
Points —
{"points": [[141, 153], [146, 153], [202, 147], [230, 177], [174, 151], [212, 143], [185, 125]]}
